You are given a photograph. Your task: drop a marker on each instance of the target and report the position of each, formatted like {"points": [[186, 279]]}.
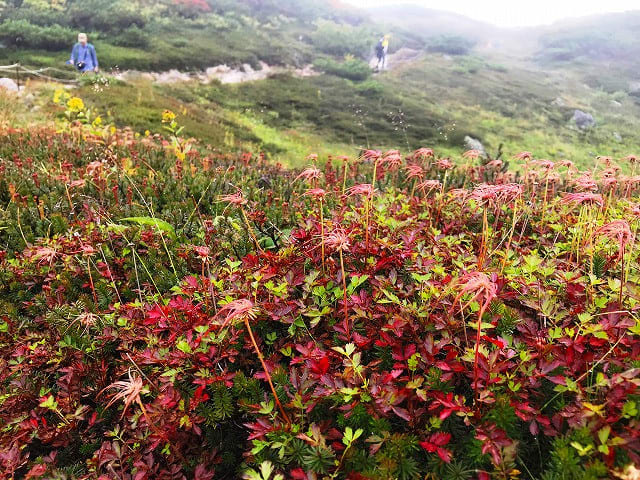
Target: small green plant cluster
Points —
{"points": [[350, 68]]}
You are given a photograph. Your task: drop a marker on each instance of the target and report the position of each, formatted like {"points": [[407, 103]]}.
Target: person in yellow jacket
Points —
{"points": [[382, 48]]}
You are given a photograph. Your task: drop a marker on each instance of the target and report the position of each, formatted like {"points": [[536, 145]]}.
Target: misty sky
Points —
{"points": [[514, 13]]}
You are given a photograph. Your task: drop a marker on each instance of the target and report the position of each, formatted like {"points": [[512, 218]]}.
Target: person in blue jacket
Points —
{"points": [[83, 55]]}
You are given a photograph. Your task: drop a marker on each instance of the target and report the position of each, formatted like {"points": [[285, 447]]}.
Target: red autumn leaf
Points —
{"points": [[320, 366], [498, 342], [36, 471], [435, 443], [444, 454], [202, 473], [298, 474], [534, 428], [402, 354]]}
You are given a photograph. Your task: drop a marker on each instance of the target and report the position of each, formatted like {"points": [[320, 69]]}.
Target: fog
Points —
{"points": [[509, 13]]}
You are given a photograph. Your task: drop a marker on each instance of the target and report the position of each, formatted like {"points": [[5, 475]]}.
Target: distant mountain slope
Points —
{"points": [[605, 49], [430, 22], [602, 51]]}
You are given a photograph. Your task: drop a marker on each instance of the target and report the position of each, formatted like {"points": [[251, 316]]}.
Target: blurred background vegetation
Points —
{"points": [[451, 77]]}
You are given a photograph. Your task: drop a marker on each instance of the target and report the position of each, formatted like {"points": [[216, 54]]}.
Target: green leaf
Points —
{"points": [[116, 227], [266, 407], [266, 469], [603, 434], [171, 373], [153, 222], [267, 243], [350, 436], [356, 281], [629, 409], [49, 403], [184, 346], [349, 348], [259, 445], [392, 298], [582, 450]]}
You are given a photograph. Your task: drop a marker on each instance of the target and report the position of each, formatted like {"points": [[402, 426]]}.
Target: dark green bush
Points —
{"points": [[131, 37], [588, 44], [21, 33], [36, 16], [370, 88], [342, 39], [351, 68], [450, 45], [112, 17]]}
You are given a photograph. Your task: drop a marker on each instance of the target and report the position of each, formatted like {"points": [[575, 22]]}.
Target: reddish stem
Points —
{"points": [[266, 371]]}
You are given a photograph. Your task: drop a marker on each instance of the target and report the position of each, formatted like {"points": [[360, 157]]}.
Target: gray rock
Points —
{"points": [[8, 84], [247, 73], [634, 87], [583, 120], [29, 99], [471, 143], [617, 137], [615, 103], [134, 76], [558, 102], [172, 76]]}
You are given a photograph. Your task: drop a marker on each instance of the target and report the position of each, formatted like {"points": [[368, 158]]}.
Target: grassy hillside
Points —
{"points": [[434, 101], [184, 34]]}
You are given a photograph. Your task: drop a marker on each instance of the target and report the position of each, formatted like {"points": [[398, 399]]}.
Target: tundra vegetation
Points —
{"points": [[170, 311]]}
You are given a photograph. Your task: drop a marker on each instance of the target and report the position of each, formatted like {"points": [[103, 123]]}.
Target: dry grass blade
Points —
{"points": [[128, 391]]}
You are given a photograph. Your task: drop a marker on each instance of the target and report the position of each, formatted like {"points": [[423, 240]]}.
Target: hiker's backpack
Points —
{"points": [[380, 48]]}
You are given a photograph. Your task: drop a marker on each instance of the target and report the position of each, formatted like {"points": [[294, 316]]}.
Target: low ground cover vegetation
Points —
{"points": [[169, 311]]}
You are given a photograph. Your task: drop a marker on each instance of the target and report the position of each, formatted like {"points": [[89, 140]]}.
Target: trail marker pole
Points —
{"points": [[18, 75]]}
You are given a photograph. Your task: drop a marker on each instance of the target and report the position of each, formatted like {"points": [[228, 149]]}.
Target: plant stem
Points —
{"points": [[622, 279], [93, 289], [266, 371], [250, 230], [477, 352], [322, 233], [66, 188], [485, 234], [513, 227], [344, 289], [344, 178], [369, 203]]}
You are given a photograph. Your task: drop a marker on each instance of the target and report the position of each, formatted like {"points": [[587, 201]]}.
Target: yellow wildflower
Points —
{"points": [[168, 116], [59, 96], [97, 122], [75, 104]]}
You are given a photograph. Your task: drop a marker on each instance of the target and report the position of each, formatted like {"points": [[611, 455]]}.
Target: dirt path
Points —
{"points": [[397, 59], [247, 73], [222, 73]]}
